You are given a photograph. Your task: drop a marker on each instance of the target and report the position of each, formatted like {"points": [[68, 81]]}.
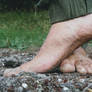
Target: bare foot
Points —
{"points": [[63, 39], [68, 65], [77, 61]]}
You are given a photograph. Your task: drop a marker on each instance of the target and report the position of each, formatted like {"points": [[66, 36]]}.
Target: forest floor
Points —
{"points": [[32, 82]]}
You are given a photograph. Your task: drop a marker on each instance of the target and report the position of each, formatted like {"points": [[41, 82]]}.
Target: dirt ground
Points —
{"points": [[32, 82]]}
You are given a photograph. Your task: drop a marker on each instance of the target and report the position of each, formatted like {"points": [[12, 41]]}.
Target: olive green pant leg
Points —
{"points": [[63, 10]]}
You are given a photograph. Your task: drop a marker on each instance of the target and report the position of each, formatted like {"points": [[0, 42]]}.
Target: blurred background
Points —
{"points": [[22, 24]]}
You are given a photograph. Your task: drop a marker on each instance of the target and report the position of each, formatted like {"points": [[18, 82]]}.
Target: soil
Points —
{"points": [[33, 82]]}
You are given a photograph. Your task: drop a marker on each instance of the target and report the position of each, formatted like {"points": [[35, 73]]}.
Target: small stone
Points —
{"points": [[59, 80], [29, 91], [82, 80], [37, 81], [23, 54], [41, 75], [24, 85], [20, 89], [65, 89], [90, 80]]}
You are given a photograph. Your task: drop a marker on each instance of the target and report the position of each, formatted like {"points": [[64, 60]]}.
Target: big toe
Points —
{"points": [[11, 71], [67, 66], [8, 72]]}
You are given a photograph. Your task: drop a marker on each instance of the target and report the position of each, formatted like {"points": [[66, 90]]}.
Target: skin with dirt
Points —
{"points": [[32, 82]]}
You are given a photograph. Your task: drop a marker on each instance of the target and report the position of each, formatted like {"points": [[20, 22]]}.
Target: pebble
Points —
{"points": [[24, 85], [29, 91], [23, 54], [20, 89], [59, 80], [82, 80], [65, 88], [41, 75], [37, 81]]}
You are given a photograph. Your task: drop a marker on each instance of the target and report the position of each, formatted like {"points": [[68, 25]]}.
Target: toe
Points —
{"points": [[7, 72], [10, 72], [89, 66], [81, 69], [67, 66]]}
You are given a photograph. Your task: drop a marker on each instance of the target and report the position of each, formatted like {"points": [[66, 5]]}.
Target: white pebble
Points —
{"points": [[59, 80], [3, 64], [37, 81], [23, 54], [24, 85], [82, 80], [65, 88]]}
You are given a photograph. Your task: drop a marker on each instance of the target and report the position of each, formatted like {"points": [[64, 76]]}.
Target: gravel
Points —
{"points": [[33, 82]]}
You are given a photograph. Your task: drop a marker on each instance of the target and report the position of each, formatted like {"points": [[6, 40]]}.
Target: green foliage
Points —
{"points": [[23, 30]]}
